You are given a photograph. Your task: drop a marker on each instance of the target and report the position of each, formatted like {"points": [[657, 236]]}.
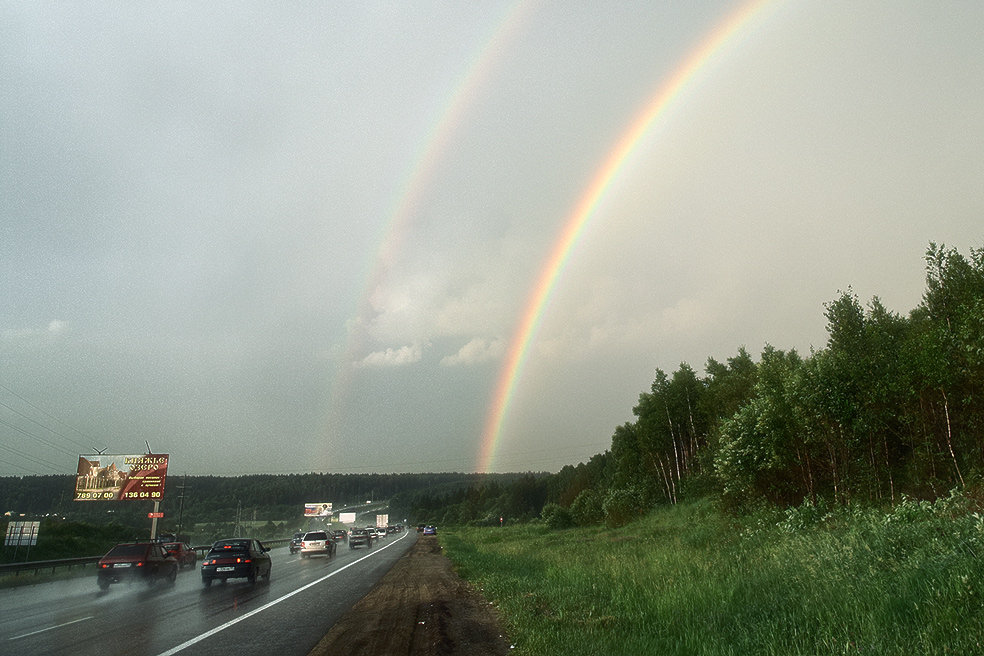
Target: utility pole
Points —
{"points": [[181, 503]]}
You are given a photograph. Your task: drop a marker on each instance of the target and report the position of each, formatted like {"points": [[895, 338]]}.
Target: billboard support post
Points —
{"points": [[153, 522]]}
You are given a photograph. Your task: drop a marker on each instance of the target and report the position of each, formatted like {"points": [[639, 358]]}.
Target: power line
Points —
{"points": [[49, 416], [33, 421], [31, 458], [20, 467], [38, 437]]}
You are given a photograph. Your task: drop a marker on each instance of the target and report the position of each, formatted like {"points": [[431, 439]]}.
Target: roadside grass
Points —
{"points": [[690, 580]]}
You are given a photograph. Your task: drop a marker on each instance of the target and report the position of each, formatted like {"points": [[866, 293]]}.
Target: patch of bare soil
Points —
{"points": [[420, 608]]}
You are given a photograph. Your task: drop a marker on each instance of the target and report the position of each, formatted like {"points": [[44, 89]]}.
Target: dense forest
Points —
{"points": [[893, 405]]}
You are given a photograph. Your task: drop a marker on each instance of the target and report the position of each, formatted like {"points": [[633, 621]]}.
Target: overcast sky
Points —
{"points": [[290, 237]]}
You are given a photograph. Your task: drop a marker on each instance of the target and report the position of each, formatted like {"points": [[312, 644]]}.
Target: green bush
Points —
{"points": [[621, 506], [586, 508], [556, 516]]}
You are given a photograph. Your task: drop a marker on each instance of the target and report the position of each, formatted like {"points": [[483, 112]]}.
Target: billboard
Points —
{"points": [[382, 521], [22, 534], [317, 510], [346, 517], [104, 477]]}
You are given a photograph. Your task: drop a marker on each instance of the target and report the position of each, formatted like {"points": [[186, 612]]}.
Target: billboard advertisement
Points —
{"points": [[317, 510], [346, 517], [103, 477]]}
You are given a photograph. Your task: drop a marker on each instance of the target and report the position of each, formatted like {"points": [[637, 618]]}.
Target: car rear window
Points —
{"points": [[128, 550], [318, 535]]}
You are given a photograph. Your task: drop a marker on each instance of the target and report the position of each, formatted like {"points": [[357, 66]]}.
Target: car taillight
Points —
{"points": [[140, 564]]}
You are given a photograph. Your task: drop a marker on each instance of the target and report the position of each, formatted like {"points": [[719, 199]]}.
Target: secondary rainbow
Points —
{"points": [[408, 195], [587, 205]]}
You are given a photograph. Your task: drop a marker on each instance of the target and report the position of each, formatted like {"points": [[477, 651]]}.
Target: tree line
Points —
{"points": [[892, 405]]}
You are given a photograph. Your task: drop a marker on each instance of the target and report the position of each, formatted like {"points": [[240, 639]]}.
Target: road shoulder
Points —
{"points": [[419, 608]]}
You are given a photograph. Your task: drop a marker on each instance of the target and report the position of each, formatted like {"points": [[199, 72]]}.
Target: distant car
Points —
{"points": [[137, 561], [295, 542], [430, 530], [391, 529], [339, 535], [317, 542], [182, 552], [236, 558], [421, 527], [360, 537]]}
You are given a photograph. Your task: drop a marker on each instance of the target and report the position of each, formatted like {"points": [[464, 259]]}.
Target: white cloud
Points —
{"points": [[475, 351], [57, 327], [393, 357]]}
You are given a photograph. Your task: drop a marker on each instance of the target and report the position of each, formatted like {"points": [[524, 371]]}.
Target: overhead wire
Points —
{"points": [[38, 438], [39, 461], [49, 416]]}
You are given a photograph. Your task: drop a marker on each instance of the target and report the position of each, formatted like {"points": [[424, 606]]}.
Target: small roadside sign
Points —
{"points": [[157, 515]]}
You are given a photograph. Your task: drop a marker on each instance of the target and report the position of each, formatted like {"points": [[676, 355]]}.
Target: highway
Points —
{"points": [[286, 616]]}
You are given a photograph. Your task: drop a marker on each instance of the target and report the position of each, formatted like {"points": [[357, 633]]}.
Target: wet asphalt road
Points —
{"points": [[286, 617]]}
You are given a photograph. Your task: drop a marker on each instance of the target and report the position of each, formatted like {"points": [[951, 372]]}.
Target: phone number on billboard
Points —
{"points": [[95, 495], [141, 495]]}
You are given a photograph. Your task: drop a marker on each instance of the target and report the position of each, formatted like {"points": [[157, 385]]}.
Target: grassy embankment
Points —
{"points": [[688, 580]]}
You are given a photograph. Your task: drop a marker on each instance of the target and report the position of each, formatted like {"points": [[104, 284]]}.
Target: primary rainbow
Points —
{"points": [[585, 208]]}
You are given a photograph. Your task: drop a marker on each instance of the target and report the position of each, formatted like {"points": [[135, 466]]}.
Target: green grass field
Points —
{"points": [[689, 580]]}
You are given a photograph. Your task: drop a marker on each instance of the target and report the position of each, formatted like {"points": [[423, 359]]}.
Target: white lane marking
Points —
{"points": [[24, 635], [222, 627]]}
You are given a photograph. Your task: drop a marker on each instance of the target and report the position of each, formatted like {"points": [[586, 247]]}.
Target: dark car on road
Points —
{"points": [[359, 538], [138, 561], [295, 542], [236, 558], [339, 535], [317, 542], [182, 552]]}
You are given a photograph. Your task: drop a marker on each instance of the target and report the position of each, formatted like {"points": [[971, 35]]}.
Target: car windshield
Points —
{"points": [[315, 536], [128, 550]]}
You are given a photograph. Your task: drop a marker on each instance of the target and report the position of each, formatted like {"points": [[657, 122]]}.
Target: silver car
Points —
{"points": [[317, 542]]}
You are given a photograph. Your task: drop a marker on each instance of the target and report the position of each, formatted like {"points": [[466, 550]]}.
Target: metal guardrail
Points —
{"points": [[39, 566], [42, 565]]}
